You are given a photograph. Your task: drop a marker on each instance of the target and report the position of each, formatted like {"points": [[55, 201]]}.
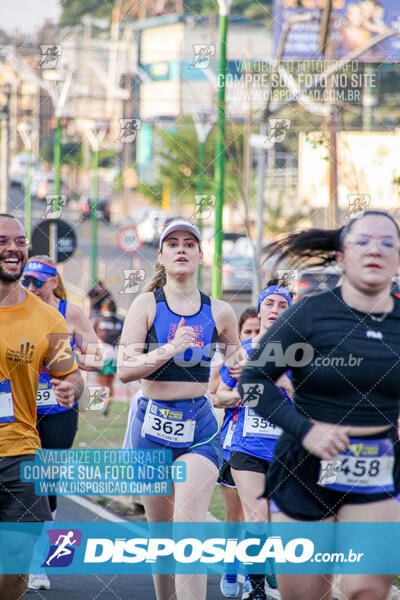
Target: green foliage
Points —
{"points": [[178, 163], [71, 153], [239, 7], [74, 10], [277, 220], [107, 158]]}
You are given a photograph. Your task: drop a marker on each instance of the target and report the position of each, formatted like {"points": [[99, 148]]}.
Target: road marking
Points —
{"points": [[97, 510]]}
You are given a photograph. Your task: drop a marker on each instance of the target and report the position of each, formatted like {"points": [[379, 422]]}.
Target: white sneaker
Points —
{"points": [[229, 586], [39, 582]]}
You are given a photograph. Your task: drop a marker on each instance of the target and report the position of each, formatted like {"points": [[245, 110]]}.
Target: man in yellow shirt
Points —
{"points": [[32, 333]]}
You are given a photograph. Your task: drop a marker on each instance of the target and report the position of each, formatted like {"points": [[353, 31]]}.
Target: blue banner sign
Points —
{"points": [[355, 23]]}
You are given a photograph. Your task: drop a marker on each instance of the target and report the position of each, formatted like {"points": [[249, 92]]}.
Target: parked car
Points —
{"points": [[238, 273], [312, 281], [103, 208], [18, 168], [150, 229], [43, 184]]}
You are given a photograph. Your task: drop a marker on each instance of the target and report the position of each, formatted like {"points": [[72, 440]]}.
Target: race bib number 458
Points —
{"points": [[365, 467]]}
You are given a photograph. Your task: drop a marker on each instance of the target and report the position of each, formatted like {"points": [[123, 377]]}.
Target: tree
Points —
{"points": [[178, 164], [74, 10]]}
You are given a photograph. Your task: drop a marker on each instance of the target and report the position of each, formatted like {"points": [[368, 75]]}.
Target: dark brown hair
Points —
{"points": [[249, 313], [318, 245]]}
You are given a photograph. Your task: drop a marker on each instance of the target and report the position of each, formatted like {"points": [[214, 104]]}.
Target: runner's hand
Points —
{"points": [[241, 359], [185, 337], [326, 441], [285, 383], [64, 391]]}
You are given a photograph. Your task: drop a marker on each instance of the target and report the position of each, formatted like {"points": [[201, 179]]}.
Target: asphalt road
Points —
{"points": [[101, 587]]}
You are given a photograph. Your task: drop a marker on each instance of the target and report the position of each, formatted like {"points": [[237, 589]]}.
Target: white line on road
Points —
{"points": [[97, 510]]}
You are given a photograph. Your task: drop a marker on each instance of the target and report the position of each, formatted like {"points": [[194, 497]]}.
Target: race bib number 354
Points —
{"points": [[168, 426], [257, 426]]}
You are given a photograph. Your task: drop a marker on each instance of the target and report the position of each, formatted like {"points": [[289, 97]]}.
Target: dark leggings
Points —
{"points": [[57, 432]]}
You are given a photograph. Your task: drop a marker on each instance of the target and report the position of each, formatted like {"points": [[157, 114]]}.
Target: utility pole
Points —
{"points": [[58, 96], [95, 132], [224, 9], [325, 47]]}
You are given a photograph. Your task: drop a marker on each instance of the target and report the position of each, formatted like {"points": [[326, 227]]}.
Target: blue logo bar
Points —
{"points": [[142, 548]]}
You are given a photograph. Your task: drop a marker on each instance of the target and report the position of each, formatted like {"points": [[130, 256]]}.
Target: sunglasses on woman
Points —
{"points": [[36, 283]]}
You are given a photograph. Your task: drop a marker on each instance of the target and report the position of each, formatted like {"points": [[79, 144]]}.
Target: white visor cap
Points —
{"points": [[180, 226]]}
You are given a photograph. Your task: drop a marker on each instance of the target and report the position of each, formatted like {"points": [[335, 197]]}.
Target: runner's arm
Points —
{"points": [[267, 364], [91, 350], [214, 382], [226, 397], [227, 327], [60, 363]]}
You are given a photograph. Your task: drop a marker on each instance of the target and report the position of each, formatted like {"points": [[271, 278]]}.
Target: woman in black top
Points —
{"points": [[343, 349]]}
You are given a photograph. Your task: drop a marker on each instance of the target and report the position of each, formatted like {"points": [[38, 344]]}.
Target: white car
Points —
{"points": [[150, 229], [19, 166]]}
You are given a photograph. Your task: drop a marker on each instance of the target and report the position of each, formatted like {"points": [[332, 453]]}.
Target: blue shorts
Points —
{"points": [[206, 441]]}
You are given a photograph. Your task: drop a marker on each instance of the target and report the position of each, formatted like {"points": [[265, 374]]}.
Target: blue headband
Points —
{"points": [[274, 289], [39, 269]]}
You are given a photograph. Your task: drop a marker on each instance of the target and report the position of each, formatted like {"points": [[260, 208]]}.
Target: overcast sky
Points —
{"points": [[27, 15]]}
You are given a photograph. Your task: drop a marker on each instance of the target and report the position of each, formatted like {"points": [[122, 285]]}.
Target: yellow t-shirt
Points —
{"points": [[31, 333]]}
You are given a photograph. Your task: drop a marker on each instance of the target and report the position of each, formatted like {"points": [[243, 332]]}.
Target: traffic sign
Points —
{"points": [[128, 240], [65, 243]]}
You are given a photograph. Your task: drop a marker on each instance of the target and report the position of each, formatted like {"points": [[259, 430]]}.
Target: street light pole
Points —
{"points": [[224, 8], [203, 124], [28, 134], [93, 211], [95, 132], [57, 158]]}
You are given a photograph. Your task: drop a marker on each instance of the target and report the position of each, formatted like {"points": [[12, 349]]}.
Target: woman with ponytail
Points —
{"points": [[168, 341], [57, 426], [342, 348]]}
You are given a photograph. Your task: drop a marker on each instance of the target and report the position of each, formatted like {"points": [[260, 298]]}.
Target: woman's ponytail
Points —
{"points": [[159, 278], [316, 245]]}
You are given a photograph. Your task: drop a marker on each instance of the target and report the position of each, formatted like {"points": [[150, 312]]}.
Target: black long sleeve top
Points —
{"points": [[345, 366]]}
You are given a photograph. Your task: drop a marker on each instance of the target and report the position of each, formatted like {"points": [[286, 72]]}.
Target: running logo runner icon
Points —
{"points": [[62, 547], [252, 394], [330, 470]]}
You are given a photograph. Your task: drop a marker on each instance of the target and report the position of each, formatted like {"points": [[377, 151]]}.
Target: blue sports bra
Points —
{"points": [[193, 364]]}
